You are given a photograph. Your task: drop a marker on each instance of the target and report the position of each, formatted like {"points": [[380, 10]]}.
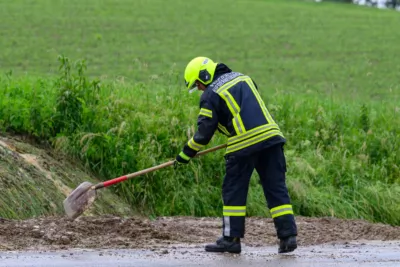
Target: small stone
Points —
{"points": [[65, 240], [37, 233]]}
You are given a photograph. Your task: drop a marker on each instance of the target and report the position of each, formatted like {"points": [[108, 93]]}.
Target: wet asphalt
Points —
{"points": [[354, 254]]}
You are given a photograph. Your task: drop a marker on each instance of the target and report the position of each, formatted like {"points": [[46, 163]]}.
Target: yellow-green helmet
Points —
{"points": [[201, 69]]}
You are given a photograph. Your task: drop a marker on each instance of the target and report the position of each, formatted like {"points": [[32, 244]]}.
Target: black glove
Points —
{"points": [[181, 159]]}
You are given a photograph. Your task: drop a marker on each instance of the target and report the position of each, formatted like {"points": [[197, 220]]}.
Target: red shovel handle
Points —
{"points": [[166, 164]]}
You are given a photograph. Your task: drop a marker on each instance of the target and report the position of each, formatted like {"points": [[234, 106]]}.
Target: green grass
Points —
{"points": [[293, 46], [328, 73], [342, 158]]}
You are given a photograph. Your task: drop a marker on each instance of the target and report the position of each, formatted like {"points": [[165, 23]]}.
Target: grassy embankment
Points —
{"points": [[328, 74]]}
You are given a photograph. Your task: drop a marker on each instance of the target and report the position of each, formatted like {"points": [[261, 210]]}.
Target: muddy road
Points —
{"points": [[136, 232], [353, 254], [179, 241]]}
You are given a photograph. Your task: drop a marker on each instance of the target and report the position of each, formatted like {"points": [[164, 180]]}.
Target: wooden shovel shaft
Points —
{"points": [[166, 164]]}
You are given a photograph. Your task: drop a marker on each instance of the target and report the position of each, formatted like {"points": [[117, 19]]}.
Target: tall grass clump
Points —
{"points": [[343, 157]]}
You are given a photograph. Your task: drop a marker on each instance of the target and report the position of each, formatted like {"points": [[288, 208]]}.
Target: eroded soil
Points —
{"points": [[36, 168], [135, 232]]}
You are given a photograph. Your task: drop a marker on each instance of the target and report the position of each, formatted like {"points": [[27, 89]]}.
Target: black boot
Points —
{"points": [[287, 244], [225, 244]]}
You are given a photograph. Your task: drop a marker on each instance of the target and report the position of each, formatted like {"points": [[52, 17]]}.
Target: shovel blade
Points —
{"points": [[79, 200]]}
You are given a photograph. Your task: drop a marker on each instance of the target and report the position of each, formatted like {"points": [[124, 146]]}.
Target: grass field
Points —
{"points": [[293, 46], [328, 73]]}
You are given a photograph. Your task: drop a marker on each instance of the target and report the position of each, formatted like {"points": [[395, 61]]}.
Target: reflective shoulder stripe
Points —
{"points": [[232, 83], [231, 107], [235, 110], [231, 102], [223, 79], [205, 112], [260, 101]]}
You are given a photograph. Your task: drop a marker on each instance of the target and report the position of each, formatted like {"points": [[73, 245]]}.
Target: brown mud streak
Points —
{"points": [[135, 232]]}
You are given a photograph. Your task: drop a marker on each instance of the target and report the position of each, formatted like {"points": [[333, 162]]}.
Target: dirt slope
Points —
{"points": [[34, 182]]}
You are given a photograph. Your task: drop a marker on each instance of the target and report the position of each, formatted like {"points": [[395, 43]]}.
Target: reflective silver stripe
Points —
{"points": [[235, 111], [252, 141], [228, 97], [227, 226], [205, 112], [238, 125], [260, 101], [223, 129], [232, 83], [252, 132], [193, 145], [236, 211], [223, 79], [281, 210]]}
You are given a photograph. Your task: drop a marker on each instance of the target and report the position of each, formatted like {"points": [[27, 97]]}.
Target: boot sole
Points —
{"points": [[222, 250], [288, 249]]}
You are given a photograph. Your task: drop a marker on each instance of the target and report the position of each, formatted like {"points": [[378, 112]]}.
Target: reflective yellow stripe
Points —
{"points": [[281, 210], [235, 207], [231, 83], [252, 132], [205, 112], [193, 145], [235, 125], [260, 102], [223, 129], [238, 214], [234, 211], [234, 109], [238, 124], [184, 156], [247, 79], [252, 141], [230, 102]]}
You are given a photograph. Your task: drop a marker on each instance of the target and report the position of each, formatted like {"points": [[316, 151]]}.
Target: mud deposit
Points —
{"points": [[141, 233], [123, 240]]}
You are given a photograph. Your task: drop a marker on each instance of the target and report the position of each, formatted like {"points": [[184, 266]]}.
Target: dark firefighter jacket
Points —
{"points": [[232, 105]]}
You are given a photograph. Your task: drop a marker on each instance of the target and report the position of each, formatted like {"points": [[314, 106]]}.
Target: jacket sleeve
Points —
{"points": [[207, 124]]}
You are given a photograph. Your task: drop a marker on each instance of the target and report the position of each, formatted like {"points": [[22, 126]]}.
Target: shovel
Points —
{"points": [[84, 195]]}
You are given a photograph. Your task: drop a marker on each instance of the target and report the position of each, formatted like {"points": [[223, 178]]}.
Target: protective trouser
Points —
{"points": [[270, 164]]}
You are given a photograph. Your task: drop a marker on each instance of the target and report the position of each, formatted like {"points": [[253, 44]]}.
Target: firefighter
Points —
{"points": [[231, 104]]}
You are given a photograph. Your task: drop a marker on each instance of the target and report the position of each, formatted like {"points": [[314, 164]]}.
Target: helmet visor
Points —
{"points": [[191, 87]]}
